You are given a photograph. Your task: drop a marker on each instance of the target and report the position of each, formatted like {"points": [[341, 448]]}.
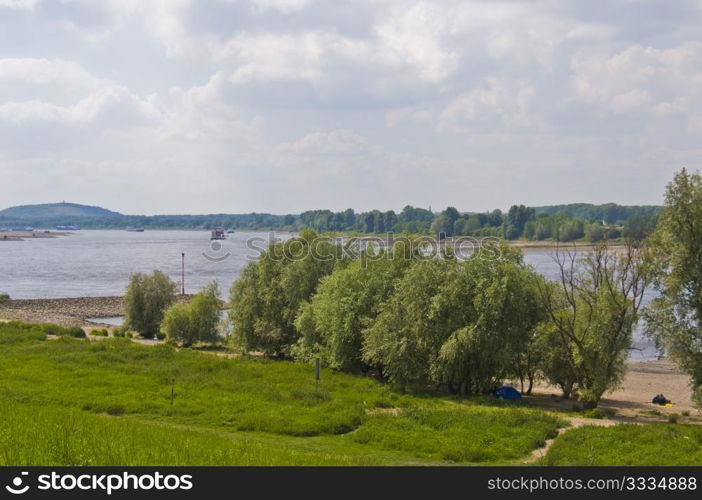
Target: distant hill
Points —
{"points": [[50, 215], [56, 210]]}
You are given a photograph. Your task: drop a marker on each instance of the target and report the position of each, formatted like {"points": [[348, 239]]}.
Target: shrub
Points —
{"points": [[101, 332], [146, 299], [196, 321], [593, 413], [4, 297], [14, 332], [61, 331], [75, 331], [673, 418]]}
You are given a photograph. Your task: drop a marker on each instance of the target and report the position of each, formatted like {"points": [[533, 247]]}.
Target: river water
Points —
{"points": [[98, 263]]}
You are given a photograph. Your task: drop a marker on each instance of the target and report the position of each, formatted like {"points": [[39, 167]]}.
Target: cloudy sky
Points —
{"points": [[198, 106]]}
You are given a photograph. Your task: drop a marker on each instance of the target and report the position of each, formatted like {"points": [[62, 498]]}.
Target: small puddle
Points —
{"points": [[112, 320]]}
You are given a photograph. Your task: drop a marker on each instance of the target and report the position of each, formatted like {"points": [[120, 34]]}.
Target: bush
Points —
{"points": [[101, 332], [593, 413], [75, 331], [673, 418], [4, 297], [61, 331], [196, 321], [15, 332], [146, 299]]}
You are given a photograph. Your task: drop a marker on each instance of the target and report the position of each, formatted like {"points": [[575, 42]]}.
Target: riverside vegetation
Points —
{"points": [[414, 347]]}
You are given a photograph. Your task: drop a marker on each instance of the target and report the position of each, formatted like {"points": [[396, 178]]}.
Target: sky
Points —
{"points": [[205, 106]]}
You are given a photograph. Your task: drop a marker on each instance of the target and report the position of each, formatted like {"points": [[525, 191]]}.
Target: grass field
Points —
{"points": [[651, 444], [67, 401], [76, 402]]}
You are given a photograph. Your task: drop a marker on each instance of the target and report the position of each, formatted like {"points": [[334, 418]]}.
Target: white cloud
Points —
{"points": [[18, 4], [40, 71], [415, 38], [641, 78], [284, 105], [495, 105], [336, 142]]}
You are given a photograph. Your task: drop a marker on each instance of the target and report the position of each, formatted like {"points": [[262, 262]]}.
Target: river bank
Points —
{"points": [[65, 311], [24, 235]]}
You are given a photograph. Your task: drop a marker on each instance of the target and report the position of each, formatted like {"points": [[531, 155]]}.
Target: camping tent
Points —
{"points": [[507, 393]]}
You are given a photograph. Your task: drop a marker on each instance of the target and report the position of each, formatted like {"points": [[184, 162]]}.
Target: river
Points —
{"points": [[99, 263]]}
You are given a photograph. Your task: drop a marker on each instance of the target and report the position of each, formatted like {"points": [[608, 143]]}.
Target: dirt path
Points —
{"points": [[575, 422]]}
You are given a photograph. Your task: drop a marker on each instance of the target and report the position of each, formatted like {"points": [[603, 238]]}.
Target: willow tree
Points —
{"points": [[593, 309], [673, 318], [456, 324], [496, 301], [331, 324], [145, 301], [404, 337], [268, 294]]}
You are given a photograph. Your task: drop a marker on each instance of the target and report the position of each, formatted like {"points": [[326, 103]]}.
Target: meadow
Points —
{"points": [[74, 401], [628, 444]]}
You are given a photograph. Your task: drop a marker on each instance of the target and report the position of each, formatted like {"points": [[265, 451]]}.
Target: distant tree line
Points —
{"points": [[593, 223], [520, 222]]}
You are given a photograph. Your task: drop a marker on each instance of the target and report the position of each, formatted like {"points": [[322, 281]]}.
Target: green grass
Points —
{"points": [[32, 435], [459, 433], [70, 401], [626, 444], [16, 332]]}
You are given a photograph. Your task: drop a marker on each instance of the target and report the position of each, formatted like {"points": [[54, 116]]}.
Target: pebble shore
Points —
{"points": [[64, 312]]}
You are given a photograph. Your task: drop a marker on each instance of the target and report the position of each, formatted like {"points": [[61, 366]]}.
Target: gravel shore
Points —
{"points": [[65, 312]]}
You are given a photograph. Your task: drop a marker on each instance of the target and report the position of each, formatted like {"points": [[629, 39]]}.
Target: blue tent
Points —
{"points": [[507, 393]]}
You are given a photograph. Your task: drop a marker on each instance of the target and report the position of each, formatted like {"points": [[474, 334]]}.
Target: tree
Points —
{"points": [[189, 323], [332, 323], [497, 304], [145, 301], [267, 296], [516, 219], [673, 318], [594, 308], [639, 227], [404, 339], [594, 232], [552, 349], [441, 226], [458, 324]]}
